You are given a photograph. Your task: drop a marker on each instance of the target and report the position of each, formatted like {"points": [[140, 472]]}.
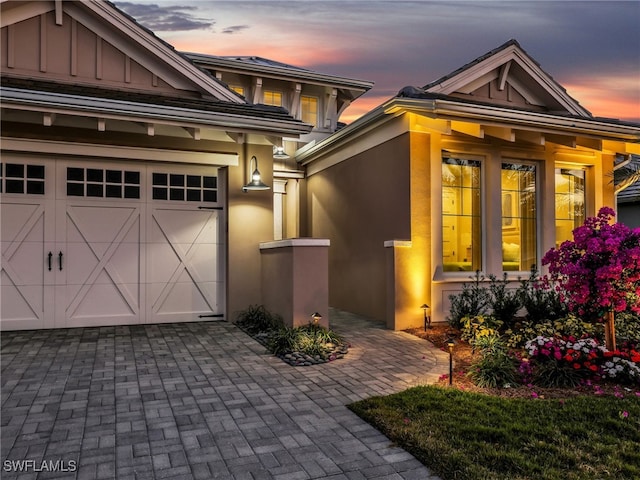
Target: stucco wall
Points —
{"points": [[250, 221], [358, 205]]}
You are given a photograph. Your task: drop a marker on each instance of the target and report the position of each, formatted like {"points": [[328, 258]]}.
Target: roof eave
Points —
{"points": [[292, 73], [143, 112], [452, 110]]}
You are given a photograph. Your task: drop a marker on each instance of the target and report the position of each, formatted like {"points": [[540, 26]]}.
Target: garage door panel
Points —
{"points": [[125, 260], [184, 262], [25, 283], [103, 264], [22, 306], [183, 297]]}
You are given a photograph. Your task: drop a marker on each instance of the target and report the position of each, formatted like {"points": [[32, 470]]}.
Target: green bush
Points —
{"points": [[494, 370], [479, 326], [504, 301], [627, 326], [256, 319], [541, 301], [562, 327], [552, 374], [472, 301], [307, 339]]}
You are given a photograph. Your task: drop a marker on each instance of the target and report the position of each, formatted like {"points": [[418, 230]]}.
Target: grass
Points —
{"points": [[470, 436]]}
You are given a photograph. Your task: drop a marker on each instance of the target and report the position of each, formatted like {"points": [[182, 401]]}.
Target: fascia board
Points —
{"points": [[49, 147], [239, 66], [514, 118], [140, 112], [153, 45]]}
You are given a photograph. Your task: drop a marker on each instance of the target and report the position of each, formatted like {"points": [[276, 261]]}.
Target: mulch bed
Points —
{"points": [[463, 357]]}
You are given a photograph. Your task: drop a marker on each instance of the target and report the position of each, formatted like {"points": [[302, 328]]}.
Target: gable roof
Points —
{"points": [[122, 32], [116, 70], [508, 76], [260, 66]]}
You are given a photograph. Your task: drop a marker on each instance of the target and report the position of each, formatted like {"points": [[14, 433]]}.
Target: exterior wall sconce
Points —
{"points": [[450, 344], [427, 317], [279, 153], [316, 318], [256, 182]]}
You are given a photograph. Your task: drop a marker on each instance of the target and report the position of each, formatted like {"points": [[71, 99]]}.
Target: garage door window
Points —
{"points": [[96, 182], [189, 188], [20, 178]]}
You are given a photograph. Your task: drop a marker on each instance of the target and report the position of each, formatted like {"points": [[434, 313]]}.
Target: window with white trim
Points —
{"points": [[519, 223], [461, 215]]}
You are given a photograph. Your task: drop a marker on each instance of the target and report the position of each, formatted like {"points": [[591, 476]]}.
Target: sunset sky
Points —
{"points": [[591, 48]]}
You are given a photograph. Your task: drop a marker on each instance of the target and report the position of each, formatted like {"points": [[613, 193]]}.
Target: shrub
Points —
{"points": [[557, 375], [541, 301], [570, 326], [495, 368], [552, 356], [307, 339], [504, 302], [472, 301], [494, 371], [256, 319], [479, 326], [628, 327], [599, 270]]}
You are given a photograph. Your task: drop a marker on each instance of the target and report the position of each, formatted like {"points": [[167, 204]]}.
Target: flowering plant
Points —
{"points": [[600, 269], [587, 357]]}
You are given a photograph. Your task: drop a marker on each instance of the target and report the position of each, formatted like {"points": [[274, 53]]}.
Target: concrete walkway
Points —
{"points": [[201, 401]]}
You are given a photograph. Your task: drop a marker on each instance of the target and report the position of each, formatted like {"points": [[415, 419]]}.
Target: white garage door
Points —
{"points": [[88, 244]]}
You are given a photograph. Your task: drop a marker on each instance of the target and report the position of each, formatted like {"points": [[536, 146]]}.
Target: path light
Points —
{"points": [[316, 318], [450, 344], [256, 181], [427, 316]]}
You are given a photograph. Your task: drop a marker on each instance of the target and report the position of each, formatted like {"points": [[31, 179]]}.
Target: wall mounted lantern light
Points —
{"points": [[279, 153], [427, 316], [256, 182]]}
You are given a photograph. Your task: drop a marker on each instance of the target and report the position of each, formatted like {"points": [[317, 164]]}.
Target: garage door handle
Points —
{"points": [[60, 261], [50, 255]]}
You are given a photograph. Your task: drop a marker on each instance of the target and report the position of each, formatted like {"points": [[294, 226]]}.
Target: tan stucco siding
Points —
{"points": [[250, 221], [359, 204]]}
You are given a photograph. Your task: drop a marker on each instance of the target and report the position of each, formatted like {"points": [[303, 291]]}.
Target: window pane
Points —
{"points": [[272, 98], [570, 202], [461, 215], [518, 217], [309, 107]]}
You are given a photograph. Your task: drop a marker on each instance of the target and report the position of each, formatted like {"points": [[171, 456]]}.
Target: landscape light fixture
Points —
{"points": [[427, 318], [279, 153], [316, 318], [450, 344], [256, 182]]}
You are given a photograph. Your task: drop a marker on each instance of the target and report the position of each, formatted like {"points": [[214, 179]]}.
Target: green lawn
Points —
{"points": [[461, 435]]}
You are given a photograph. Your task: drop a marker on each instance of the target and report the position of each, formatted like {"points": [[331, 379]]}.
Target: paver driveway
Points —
{"points": [[201, 401]]}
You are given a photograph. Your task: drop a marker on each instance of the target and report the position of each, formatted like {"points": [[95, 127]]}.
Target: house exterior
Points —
{"points": [[484, 169], [315, 98], [122, 172], [124, 164]]}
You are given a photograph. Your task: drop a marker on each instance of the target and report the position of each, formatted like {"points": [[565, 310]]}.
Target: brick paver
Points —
{"points": [[201, 401]]}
